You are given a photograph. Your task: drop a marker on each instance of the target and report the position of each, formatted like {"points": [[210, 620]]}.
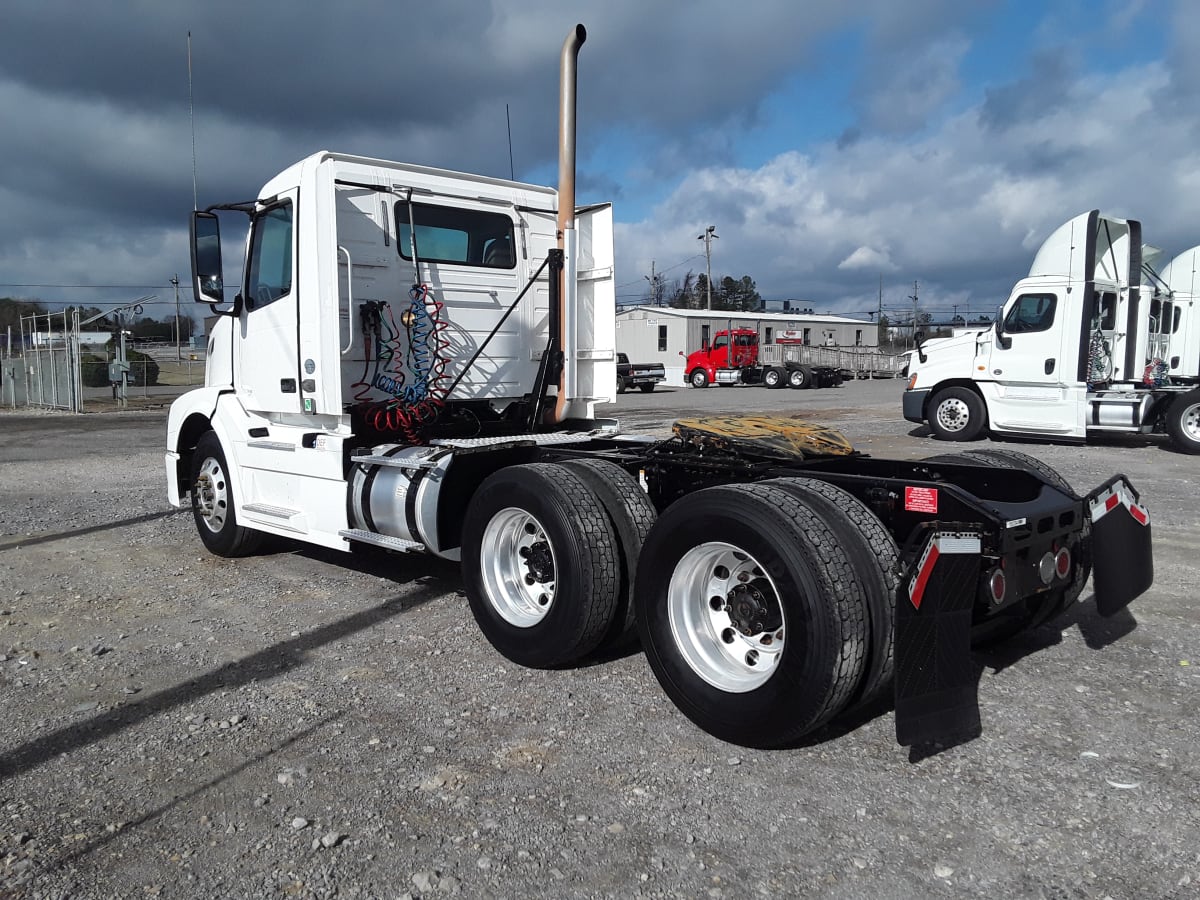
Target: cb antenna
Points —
{"points": [[192, 122], [511, 174]]}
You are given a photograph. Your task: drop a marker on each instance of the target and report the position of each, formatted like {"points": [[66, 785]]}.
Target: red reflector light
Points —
{"points": [[1112, 501], [1062, 563], [997, 584]]}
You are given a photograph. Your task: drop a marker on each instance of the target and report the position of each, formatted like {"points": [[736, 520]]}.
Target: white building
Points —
{"points": [[666, 335]]}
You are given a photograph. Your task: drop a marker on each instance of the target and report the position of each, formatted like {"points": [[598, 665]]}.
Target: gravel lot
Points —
{"points": [[310, 724]]}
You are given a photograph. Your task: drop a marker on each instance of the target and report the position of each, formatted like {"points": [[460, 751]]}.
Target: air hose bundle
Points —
{"points": [[414, 380]]}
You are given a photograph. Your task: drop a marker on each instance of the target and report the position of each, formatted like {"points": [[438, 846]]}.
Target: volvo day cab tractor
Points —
{"points": [[412, 360], [1082, 347]]}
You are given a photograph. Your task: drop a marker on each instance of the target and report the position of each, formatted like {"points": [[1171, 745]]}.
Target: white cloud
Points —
{"points": [[960, 208], [870, 259]]}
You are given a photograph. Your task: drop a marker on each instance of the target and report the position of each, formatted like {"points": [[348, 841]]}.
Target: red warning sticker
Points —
{"points": [[920, 499]]}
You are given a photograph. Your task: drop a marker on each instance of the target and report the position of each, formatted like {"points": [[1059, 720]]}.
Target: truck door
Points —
{"points": [[266, 366], [1031, 371], [719, 354]]}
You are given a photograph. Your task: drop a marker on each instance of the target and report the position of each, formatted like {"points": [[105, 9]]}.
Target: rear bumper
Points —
{"points": [[914, 405]]}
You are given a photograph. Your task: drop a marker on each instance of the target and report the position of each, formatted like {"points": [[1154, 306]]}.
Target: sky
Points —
{"points": [[835, 147]]}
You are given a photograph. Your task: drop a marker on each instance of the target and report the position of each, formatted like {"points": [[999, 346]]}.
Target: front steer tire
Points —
{"points": [[750, 614], [957, 414], [212, 503], [1183, 422], [540, 565]]}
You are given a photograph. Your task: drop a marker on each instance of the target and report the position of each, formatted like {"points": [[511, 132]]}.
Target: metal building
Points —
{"points": [[667, 335]]}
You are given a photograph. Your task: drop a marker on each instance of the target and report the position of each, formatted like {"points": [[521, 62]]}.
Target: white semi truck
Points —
{"points": [[1082, 347], [413, 359]]}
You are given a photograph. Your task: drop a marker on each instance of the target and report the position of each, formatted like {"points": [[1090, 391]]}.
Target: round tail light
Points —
{"points": [[1062, 563], [997, 585]]}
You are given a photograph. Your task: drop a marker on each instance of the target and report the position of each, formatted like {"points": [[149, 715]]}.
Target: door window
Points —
{"points": [[1031, 312], [270, 273]]}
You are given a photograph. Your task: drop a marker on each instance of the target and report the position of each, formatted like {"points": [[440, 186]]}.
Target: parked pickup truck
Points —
{"points": [[640, 375]]}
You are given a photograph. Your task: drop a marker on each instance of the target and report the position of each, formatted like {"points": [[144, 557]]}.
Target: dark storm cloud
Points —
{"points": [[1045, 89]]}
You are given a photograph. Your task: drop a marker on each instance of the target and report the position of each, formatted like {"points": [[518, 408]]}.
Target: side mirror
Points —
{"points": [[1002, 339], [206, 258], [920, 349], [704, 344]]}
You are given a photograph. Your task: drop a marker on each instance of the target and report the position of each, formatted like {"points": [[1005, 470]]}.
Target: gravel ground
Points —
{"points": [[305, 723]]}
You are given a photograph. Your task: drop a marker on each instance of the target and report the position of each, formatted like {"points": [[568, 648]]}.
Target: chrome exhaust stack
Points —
{"points": [[566, 130], [567, 306]]}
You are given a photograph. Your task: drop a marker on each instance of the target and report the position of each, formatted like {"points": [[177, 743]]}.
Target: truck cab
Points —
{"points": [[1074, 351], [731, 350], [375, 298]]}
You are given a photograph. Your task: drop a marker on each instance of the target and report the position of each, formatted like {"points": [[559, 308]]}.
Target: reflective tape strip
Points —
{"points": [[1119, 495], [950, 544]]}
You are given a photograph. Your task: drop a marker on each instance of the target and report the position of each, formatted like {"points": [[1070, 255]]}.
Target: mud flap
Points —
{"points": [[936, 679], [1122, 555]]}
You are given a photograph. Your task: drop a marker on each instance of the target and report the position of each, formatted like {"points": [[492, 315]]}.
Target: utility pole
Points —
{"points": [[655, 287], [708, 237], [913, 298], [178, 352]]}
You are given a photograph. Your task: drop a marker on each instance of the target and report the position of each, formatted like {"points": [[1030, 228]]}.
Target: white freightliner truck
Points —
{"points": [[413, 359], [1081, 347]]}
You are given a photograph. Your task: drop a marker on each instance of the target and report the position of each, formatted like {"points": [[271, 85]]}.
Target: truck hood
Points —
{"points": [[945, 358]]}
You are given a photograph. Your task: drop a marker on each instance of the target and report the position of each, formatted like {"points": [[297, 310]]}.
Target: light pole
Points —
{"points": [[178, 353], [708, 237]]}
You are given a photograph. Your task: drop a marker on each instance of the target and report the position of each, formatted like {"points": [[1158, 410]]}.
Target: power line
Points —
{"points": [[667, 269], [9, 284]]}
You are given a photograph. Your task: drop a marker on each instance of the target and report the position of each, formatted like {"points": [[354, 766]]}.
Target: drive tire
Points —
{"points": [[1183, 422], [698, 378], [212, 502], [873, 553], [775, 378], [957, 414], [800, 378], [621, 387], [631, 515], [735, 684], [540, 565]]}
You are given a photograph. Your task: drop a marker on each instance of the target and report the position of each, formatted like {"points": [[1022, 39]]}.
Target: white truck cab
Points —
{"points": [[339, 327], [1080, 347]]}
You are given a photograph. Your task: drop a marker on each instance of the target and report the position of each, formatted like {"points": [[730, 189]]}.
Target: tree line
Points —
{"points": [[691, 292], [143, 328]]}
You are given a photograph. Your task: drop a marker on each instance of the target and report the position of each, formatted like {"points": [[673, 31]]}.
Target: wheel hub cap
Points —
{"points": [[952, 415], [518, 569], [725, 617]]}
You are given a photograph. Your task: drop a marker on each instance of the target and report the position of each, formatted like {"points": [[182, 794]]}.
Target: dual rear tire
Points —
{"points": [[548, 556], [766, 610]]}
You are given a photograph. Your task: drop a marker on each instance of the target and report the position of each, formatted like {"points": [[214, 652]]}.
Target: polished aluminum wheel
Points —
{"points": [[212, 495], [517, 565], [953, 414], [725, 617]]}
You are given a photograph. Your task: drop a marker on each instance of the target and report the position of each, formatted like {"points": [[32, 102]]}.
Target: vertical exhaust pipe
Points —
{"points": [[566, 130], [566, 312]]}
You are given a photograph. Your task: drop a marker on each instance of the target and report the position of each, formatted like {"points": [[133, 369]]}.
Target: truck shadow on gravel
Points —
{"points": [[268, 663], [91, 529], [1097, 632]]}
